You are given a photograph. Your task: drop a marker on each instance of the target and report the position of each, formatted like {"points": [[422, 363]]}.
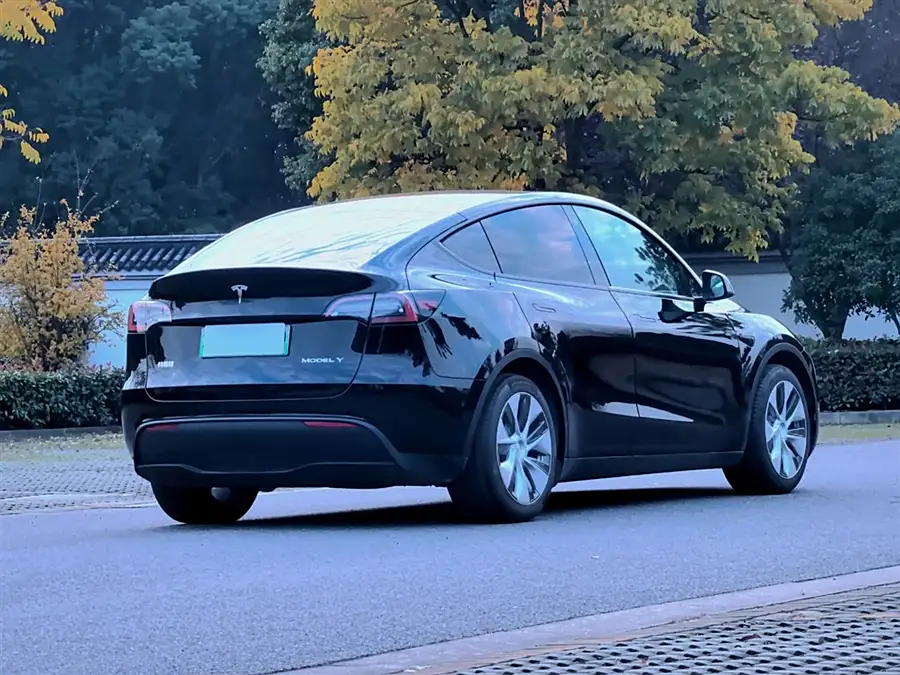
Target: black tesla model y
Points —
{"points": [[493, 343]]}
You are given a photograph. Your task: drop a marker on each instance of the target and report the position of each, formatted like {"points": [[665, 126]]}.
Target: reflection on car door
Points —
{"points": [[579, 327], [688, 364]]}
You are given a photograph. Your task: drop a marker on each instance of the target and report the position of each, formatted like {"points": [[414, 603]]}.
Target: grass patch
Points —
{"points": [[65, 447], [858, 433]]}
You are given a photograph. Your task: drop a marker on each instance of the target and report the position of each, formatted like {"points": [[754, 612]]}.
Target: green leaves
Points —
{"points": [[156, 107], [845, 242], [76, 398], [857, 374], [691, 112], [831, 104], [291, 43]]}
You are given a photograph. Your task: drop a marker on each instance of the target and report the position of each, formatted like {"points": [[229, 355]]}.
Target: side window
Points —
{"points": [[632, 259], [538, 242], [472, 246]]}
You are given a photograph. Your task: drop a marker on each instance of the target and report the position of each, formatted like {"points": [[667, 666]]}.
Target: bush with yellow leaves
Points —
{"points": [[52, 306]]}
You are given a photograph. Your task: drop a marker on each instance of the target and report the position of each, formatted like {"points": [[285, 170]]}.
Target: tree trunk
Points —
{"points": [[832, 322]]}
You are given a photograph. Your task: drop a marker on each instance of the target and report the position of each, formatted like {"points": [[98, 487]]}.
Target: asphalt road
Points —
{"points": [[112, 591]]}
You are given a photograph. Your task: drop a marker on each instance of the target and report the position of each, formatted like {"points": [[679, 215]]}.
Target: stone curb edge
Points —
{"points": [[862, 417], [825, 418], [468, 653]]}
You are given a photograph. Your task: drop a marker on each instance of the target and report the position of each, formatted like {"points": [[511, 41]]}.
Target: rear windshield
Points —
{"points": [[340, 234]]}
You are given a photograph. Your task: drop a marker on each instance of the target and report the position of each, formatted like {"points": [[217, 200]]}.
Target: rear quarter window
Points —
{"points": [[471, 245]]}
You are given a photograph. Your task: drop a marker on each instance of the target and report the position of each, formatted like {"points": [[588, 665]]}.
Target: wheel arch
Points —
{"points": [[532, 365], [791, 357]]}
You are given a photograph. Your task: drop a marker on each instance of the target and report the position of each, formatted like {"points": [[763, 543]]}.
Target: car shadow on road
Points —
{"points": [[423, 515]]}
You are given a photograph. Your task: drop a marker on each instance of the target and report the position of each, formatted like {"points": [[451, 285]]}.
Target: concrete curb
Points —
{"points": [[469, 653], [44, 434], [825, 418], [862, 417]]}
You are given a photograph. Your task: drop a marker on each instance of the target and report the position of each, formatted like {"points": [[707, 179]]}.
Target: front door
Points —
{"points": [[687, 363], [576, 325]]}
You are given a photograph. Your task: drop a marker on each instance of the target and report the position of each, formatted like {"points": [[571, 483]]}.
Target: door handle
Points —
{"points": [[543, 308]]}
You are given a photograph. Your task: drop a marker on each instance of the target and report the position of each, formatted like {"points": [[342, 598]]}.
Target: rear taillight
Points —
{"points": [[145, 313], [384, 308]]}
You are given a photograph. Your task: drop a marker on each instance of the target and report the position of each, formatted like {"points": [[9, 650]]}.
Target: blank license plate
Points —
{"points": [[256, 339]]}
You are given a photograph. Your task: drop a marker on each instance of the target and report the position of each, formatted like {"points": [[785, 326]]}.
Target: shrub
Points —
{"points": [[52, 307], [75, 398], [857, 374]]}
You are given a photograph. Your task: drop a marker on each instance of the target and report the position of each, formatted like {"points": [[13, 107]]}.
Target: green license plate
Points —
{"points": [[245, 339]]}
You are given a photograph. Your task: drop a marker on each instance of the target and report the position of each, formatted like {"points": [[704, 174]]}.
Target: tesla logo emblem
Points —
{"points": [[239, 289]]}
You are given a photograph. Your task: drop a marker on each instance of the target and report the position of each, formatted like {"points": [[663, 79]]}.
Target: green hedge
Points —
{"points": [[79, 398], [857, 374], [853, 375]]}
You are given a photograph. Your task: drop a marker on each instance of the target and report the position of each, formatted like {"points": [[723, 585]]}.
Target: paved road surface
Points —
{"points": [[125, 591]]}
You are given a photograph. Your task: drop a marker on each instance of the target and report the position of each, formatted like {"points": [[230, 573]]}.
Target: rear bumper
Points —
{"points": [[272, 451], [372, 436]]}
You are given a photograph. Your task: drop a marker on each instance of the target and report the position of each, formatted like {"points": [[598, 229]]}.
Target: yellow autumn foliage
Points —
{"points": [[543, 14], [52, 307], [689, 114], [25, 21]]}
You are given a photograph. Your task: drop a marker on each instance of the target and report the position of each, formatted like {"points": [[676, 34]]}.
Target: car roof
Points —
{"points": [[350, 233]]}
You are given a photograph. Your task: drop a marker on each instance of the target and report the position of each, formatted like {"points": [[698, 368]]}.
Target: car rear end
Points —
{"points": [[287, 370], [319, 385]]}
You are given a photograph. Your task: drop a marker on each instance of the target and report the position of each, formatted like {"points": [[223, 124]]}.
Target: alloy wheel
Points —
{"points": [[786, 429], [525, 448]]}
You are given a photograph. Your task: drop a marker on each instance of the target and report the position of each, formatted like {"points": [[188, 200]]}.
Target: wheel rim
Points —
{"points": [[524, 448], [786, 432]]}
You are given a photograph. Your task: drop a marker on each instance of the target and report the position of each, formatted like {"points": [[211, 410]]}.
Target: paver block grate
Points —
{"points": [[95, 479], [860, 637]]}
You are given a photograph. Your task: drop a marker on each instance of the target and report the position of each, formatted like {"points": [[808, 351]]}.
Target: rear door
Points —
{"points": [[688, 364], [579, 327]]}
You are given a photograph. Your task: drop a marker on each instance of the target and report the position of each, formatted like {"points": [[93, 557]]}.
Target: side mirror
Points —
{"points": [[716, 286]]}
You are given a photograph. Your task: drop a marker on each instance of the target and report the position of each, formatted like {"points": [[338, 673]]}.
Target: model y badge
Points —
{"points": [[239, 289]]}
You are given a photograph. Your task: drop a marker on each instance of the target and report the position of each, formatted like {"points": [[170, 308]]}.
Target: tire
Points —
{"points": [[482, 491], [204, 506], [775, 470]]}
